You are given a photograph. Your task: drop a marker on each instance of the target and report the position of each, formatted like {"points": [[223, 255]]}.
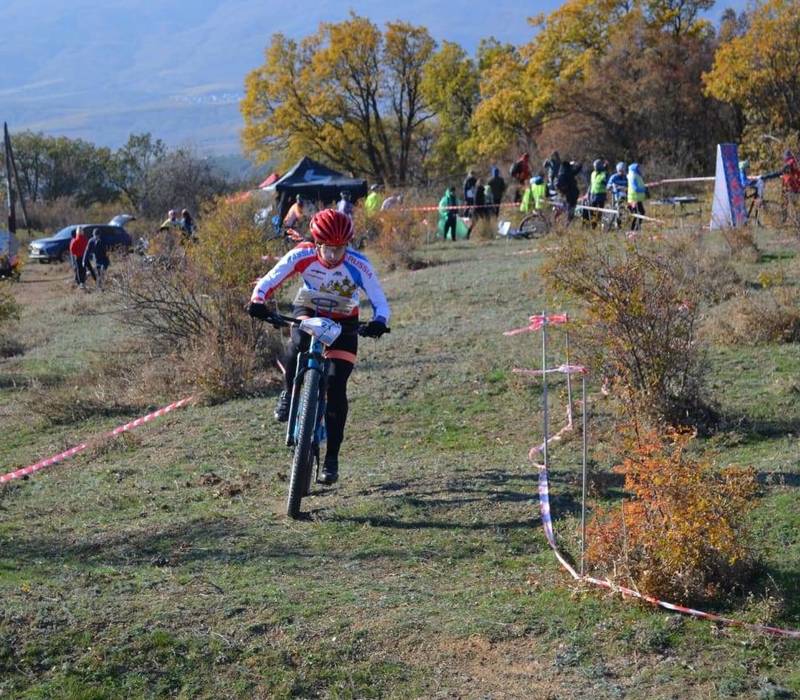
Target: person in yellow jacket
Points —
{"points": [[372, 204], [598, 182], [534, 196], [637, 193]]}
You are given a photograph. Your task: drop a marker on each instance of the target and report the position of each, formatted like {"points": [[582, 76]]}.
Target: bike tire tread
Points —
{"points": [[302, 456]]}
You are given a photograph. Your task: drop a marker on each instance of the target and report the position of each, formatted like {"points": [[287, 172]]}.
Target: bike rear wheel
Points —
{"points": [[299, 480], [534, 226]]}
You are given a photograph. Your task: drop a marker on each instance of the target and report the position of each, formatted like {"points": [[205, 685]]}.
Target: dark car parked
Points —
{"points": [[56, 247]]}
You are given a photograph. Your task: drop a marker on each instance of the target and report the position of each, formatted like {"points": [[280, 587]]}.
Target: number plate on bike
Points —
{"points": [[325, 330]]}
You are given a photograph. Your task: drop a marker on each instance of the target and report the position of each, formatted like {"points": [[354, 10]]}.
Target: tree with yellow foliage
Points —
{"points": [[450, 88], [349, 94], [605, 77], [759, 70]]}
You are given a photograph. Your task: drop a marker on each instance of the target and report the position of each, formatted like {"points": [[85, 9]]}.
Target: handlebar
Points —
{"points": [[277, 319]]}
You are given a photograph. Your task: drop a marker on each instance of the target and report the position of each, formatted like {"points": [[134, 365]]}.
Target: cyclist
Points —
{"points": [[326, 265]]}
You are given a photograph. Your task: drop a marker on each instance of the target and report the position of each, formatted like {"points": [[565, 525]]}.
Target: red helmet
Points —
{"points": [[331, 227]]}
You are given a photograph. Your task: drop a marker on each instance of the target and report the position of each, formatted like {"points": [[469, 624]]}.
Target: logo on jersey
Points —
{"points": [[342, 288]]}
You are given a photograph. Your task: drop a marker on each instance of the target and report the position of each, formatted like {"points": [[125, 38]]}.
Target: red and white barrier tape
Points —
{"points": [[676, 180], [72, 451], [537, 321], [547, 520]]}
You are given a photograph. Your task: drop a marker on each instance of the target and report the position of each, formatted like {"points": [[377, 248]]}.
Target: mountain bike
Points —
{"points": [[540, 222], [305, 430], [620, 203]]}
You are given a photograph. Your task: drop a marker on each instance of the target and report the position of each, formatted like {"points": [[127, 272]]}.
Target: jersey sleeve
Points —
{"points": [[364, 275], [289, 265]]}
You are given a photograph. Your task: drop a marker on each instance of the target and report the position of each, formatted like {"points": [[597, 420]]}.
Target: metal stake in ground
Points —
{"points": [[569, 374], [584, 411], [544, 390]]}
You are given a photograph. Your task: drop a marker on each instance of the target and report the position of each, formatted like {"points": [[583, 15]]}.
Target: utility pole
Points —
{"points": [[11, 198], [18, 191]]}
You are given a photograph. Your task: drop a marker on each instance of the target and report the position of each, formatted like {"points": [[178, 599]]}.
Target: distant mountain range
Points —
{"points": [[102, 69]]}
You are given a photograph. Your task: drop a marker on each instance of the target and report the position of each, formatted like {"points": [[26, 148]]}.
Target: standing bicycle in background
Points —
{"points": [[327, 265], [618, 185]]}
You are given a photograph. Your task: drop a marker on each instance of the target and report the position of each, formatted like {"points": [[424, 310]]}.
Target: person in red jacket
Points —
{"points": [[77, 247], [790, 185]]}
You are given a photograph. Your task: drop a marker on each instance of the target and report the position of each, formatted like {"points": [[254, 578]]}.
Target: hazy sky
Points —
{"points": [[102, 69]]}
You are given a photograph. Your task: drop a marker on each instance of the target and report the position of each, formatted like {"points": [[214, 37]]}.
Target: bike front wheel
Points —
{"points": [[303, 449]]}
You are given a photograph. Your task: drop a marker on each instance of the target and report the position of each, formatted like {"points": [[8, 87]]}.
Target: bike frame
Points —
{"points": [[312, 360]]}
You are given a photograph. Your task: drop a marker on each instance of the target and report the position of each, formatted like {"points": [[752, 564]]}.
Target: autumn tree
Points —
{"points": [[450, 88], [758, 70], [614, 78], [349, 94]]}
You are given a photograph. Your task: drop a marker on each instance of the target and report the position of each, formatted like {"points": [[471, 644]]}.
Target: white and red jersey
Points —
{"points": [[354, 273]]}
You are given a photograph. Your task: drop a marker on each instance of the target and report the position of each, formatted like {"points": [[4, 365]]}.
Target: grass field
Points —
{"points": [[162, 565]]}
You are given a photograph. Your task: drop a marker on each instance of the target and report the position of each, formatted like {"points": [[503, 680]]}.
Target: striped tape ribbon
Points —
{"points": [[549, 532], [72, 451]]}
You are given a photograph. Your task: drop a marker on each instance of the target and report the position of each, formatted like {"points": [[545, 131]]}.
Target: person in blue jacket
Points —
{"points": [[637, 193]]}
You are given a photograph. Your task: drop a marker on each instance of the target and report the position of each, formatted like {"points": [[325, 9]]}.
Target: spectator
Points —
{"points": [[498, 186], [480, 210], [172, 221], [295, 215], [470, 183], [373, 201], [597, 189], [618, 183], [392, 202], [77, 247], [521, 172], [447, 212], [551, 167], [488, 199], [567, 185], [521, 169], [637, 193], [96, 248], [345, 205], [790, 180], [187, 223], [535, 195]]}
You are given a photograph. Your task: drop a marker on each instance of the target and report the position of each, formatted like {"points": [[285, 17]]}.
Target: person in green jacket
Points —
{"points": [[534, 196], [598, 182], [372, 204], [448, 212]]}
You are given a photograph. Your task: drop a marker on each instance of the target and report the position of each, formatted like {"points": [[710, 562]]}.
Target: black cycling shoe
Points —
{"points": [[282, 407], [330, 471]]}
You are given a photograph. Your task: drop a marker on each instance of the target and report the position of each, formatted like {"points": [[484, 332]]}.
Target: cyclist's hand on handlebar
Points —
{"points": [[260, 311], [374, 329]]}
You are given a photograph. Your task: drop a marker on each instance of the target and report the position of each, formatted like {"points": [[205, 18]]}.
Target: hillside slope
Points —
{"points": [[162, 565]]}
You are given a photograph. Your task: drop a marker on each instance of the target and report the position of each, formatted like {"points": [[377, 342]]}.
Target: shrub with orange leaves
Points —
{"points": [[683, 532]]}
